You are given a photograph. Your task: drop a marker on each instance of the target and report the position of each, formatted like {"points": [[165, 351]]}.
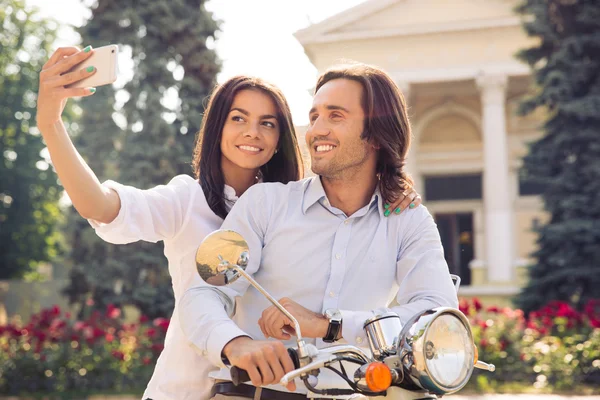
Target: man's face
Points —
{"points": [[336, 124]]}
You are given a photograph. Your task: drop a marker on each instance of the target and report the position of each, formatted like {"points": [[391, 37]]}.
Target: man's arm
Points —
{"points": [[205, 310], [422, 275]]}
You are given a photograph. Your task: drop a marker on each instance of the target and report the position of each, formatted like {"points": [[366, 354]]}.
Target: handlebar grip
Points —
{"points": [[239, 376]]}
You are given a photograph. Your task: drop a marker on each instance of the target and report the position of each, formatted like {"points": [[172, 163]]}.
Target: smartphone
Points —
{"points": [[104, 60]]}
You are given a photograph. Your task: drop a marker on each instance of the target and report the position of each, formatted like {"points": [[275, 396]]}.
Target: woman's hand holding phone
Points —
{"points": [[55, 75]]}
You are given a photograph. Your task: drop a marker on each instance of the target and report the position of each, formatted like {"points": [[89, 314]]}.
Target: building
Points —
{"points": [[455, 63]]}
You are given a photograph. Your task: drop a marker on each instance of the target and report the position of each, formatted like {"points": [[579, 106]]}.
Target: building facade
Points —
{"points": [[455, 63]]}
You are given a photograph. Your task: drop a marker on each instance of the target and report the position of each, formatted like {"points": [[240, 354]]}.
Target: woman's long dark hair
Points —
{"points": [[285, 165], [386, 123]]}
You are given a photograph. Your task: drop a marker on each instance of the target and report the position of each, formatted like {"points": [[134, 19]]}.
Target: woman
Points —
{"points": [[246, 136]]}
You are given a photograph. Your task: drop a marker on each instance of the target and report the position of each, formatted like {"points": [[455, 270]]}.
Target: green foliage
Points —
{"points": [[566, 65], [153, 142], [29, 192]]}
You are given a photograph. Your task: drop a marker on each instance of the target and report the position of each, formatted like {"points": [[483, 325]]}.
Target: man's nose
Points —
{"points": [[318, 127]]}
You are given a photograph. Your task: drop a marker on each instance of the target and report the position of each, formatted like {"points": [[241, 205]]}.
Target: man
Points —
{"points": [[323, 245]]}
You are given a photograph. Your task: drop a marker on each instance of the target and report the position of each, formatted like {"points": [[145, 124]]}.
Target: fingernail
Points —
{"points": [[90, 69], [398, 210], [87, 49], [386, 206], [412, 205], [386, 213], [93, 90]]}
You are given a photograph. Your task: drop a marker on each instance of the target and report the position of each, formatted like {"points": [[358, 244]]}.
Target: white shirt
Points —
{"points": [[303, 248], [179, 215]]}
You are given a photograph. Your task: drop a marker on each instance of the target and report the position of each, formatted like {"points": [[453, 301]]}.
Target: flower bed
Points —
{"points": [[557, 348], [55, 354]]}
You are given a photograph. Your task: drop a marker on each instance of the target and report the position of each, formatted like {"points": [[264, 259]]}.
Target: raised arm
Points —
{"points": [[89, 197]]}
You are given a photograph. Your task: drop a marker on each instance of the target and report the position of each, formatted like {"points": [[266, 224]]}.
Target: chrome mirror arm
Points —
{"points": [[302, 350]]}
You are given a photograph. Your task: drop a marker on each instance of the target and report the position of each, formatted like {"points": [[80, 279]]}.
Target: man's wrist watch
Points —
{"points": [[335, 325]]}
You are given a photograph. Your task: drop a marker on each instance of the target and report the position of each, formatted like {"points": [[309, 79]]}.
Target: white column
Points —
{"points": [[499, 248], [411, 164]]}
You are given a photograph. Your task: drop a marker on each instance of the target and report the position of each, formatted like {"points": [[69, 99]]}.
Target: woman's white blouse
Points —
{"points": [[178, 214]]}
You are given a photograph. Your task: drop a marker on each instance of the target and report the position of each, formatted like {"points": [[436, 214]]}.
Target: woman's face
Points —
{"points": [[251, 131]]}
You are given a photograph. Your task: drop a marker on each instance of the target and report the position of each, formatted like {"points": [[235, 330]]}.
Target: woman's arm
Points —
{"points": [[89, 197]]}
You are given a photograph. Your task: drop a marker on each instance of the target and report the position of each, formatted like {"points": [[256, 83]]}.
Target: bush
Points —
{"points": [[55, 354], [556, 349]]}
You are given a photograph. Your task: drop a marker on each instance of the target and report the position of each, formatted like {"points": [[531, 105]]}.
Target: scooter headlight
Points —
{"points": [[437, 350]]}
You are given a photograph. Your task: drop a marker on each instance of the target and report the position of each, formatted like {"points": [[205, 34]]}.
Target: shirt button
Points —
{"points": [[331, 294], [359, 340], [338, 256], [346, 222]]}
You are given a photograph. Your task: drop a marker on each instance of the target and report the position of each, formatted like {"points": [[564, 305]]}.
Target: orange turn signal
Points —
{"points": [[476, 354], [378, 377]]}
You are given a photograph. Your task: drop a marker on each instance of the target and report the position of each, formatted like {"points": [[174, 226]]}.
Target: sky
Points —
{"points": [[256, 38]]}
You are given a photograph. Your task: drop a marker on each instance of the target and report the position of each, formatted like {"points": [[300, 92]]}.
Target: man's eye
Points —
{"points": [[313, 118], [336, 115]]}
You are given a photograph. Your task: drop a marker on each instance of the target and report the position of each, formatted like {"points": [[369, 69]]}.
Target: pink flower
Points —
{"points": [[162, 323], [113, 312], [79, 325], [144, 319]]}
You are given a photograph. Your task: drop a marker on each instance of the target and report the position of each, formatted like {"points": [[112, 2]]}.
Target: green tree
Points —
{"points": [[174, 72], [566, 160], [29, 192]]}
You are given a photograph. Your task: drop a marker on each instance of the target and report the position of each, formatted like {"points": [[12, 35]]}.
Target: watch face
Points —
{"points": [[334, 315]]}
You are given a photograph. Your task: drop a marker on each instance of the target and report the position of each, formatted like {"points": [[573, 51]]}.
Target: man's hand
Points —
{"points": [[265, 361], [275, 324]]}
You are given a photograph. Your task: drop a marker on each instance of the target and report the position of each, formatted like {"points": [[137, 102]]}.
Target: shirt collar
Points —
{"points": [[229, 193], [314, 192]]}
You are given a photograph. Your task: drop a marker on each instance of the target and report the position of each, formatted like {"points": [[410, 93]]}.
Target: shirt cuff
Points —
{"points": [[219, 337], [120, 219], [352, 327]]}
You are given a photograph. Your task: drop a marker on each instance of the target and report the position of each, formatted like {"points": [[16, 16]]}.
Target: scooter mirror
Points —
{"points": [[218, 253]]}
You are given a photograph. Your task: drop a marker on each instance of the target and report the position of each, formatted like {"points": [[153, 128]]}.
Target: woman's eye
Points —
{"points": [[237, 118], [269, 124]]}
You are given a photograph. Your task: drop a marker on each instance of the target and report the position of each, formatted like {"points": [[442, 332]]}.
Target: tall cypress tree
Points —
{"points": [[566, 69], [168, 42]]}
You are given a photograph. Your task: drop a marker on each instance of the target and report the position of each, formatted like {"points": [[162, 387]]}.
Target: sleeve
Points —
{"points": [[421, 273], [204, 309], [150, 215]]}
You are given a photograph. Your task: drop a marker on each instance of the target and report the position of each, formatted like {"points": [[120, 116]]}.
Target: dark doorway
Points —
{"points": [[456, 232]]}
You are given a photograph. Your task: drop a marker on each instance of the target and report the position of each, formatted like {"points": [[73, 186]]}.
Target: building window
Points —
{"points": [[453, 187]]}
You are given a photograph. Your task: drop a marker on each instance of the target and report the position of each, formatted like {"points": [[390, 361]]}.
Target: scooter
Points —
{"points": [[432, 355]]}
